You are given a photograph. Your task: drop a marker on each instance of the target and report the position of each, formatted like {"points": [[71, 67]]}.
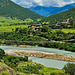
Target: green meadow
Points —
{"points": [[70, 30], [6, 21], [11, 28], [8, 24]]}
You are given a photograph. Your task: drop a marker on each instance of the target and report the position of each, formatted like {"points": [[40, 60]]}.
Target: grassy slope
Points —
{"points": [[48, 71], [5, 68], [9, 71], [11, 9], [44, 70]]}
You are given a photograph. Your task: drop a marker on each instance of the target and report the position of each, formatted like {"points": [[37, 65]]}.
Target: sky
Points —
{"points": [[47, 3]]}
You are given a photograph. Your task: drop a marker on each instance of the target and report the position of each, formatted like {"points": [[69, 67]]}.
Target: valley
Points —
{"points": [[31, 44], [47, 11]]}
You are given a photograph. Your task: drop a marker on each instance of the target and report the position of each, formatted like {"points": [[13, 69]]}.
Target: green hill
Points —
{"points": [[11, 9], [60, 16]]}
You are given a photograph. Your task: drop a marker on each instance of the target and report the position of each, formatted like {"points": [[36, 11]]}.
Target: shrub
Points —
{"points": [[69, 68], [29, 67], [13, 61], [5, 73], [2, 53]]}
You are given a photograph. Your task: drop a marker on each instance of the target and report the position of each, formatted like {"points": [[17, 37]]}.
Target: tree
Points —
{"points": [[2, 53], [70, 68], [28, 20], [72, 22], [64, 25], [44, 29]]}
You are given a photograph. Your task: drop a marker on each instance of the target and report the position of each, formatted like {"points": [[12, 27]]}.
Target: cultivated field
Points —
{"points": [[11, 28], [71, 30]]}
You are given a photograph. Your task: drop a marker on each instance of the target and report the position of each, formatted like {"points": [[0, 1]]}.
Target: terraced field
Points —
{"points": [[71, 30], [11, 28]]}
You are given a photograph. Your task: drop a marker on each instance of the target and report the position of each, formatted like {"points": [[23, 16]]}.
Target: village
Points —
{"points": [[65, 24]]}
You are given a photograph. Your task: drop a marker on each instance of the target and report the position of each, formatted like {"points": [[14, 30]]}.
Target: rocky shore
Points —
{"points": [[40, 54]]}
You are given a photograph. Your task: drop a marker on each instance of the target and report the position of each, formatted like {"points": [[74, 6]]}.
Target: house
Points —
{"points": [[36, 26], [45, 25], [69, 25], [58, 23], [52, 25], [66, 21], [33, 26]]}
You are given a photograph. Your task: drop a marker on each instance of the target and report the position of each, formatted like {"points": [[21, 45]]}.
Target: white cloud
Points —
{"points": [[47, 3]]}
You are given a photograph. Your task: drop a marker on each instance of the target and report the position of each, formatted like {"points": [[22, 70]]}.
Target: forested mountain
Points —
{"points": [[62, 9], [60, 16], [42, 10], [11, 9], [47, 11]]}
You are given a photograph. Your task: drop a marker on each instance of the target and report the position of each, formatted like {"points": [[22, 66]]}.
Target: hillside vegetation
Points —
{"points": [[8, 24], [29, 68], [60, 16], [7, 21], [21, 66], [11, 9]]}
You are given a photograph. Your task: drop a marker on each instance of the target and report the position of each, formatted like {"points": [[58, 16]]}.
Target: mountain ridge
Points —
{"points": [[47, 11], [44, 11], [60, 16], [11, 9]]}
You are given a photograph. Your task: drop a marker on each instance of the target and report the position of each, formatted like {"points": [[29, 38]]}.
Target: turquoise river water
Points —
{"points": [[46, 62]]}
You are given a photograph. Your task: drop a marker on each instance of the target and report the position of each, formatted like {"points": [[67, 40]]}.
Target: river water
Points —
{"points": [[46, 62]]}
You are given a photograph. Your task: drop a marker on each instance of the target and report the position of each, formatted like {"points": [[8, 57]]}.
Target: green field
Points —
{"points": [[4, 21], [71, 30], [48, 71], [11, 28], [8, 24]]}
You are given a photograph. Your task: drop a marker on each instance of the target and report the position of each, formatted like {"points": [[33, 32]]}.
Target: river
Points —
{"points": [[46, 62]]}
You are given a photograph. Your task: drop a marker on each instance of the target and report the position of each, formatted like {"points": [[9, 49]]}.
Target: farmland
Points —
{"points": [[6, 21], [8, 24], [65, 30], [11, 28]]}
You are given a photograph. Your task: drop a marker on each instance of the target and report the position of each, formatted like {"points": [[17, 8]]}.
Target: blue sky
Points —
{"points": [[47, 3]]}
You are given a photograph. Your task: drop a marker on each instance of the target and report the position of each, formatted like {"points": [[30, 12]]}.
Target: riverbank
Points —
{"points": [[40, 54]]}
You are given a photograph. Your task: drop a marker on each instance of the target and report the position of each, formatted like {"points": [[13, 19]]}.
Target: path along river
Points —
{"points": [[47, 62]]}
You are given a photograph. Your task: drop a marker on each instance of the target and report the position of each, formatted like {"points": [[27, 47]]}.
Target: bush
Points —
{"points": [[23, 58], [2, 53], [13, 61], [69, 68], [29, 67], [5, 73]]}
